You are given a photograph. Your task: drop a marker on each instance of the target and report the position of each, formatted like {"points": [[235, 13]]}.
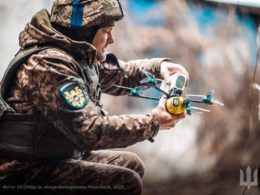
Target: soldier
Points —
{"points": [[53, 129]]}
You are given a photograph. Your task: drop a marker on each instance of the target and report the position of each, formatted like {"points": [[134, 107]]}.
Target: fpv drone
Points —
{"points": [[175, 103]]}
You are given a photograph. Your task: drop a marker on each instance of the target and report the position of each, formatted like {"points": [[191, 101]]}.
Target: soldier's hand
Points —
{"points": [[168, 68], [166, 119]]}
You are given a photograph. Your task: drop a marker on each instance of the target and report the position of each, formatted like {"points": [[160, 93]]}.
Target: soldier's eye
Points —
{"points": [[107, 31]]}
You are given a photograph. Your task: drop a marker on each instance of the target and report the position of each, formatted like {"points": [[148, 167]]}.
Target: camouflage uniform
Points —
{"points": [[64, 127]]}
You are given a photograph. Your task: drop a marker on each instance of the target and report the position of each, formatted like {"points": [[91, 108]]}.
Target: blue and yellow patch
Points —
{"points": [[73, 95]]}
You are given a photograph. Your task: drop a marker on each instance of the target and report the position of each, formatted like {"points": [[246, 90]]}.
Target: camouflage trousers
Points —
{"points": [[99, 172]]}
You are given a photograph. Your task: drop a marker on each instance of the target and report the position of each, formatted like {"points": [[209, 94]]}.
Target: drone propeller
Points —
{"points": [[210, 99], [211, 93], [145, 81], [123, 87], [200, 109], [207, 99], [151, 79], [190, 108], [195, 95], [217, 102], [148, 74]]}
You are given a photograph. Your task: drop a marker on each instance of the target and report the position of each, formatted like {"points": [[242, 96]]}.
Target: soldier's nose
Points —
{"points": [[110, 39]]}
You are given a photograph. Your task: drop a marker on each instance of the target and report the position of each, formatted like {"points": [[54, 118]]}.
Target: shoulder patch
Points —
{"points": [[73, 95]]}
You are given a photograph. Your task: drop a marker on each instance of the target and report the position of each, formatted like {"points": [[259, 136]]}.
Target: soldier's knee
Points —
{"points": [[139, 165], [136, 163], [133, 183]]}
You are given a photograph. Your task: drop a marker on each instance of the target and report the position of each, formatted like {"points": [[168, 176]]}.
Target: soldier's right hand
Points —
{"points": [[166, 119]]}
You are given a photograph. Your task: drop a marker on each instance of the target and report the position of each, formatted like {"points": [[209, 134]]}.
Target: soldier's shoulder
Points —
{"points": [[54, 56], [54, 52]]}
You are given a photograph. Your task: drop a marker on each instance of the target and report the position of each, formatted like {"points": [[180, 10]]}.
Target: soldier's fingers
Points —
{"points": [[181, 116], [165, 73], [167, 77], [167, 127], [171, 124], [162, 101], [178, 68]]}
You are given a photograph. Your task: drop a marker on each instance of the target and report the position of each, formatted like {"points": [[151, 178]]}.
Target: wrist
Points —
{"points": [[155, 125]]}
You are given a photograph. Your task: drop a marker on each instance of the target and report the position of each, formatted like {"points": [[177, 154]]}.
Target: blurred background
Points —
{"points": [[217, 42]]}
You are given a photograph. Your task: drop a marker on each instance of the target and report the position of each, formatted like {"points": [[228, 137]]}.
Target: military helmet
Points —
{"points": [[82, 14]]}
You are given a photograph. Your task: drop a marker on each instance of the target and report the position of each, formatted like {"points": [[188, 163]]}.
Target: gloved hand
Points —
{"points": [[166, 119]]}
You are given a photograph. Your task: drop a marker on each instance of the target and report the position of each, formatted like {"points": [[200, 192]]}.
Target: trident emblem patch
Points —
{"points": [[73, 95]]}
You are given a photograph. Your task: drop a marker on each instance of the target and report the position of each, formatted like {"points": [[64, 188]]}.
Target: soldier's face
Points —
{"points": [[101, 40]]}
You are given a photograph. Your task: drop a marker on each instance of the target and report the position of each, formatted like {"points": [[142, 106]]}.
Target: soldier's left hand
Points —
{"points": [[166, 120], [168, 68]]}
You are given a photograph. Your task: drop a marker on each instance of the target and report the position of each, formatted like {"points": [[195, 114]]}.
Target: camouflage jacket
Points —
{"points": [[40, 81]]}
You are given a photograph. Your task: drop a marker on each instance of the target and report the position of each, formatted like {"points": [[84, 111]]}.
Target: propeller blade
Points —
{"points": [[191, 95], [195, 101], [218, 102], [200, 109], [144, 81], [144, 87], [148, 74], [123, 87], [159, 80], [211, 93]]}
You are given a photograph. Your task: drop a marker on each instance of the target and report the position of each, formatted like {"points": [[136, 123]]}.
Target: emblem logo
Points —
{"points": [[73, 95], [248, 181]]}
